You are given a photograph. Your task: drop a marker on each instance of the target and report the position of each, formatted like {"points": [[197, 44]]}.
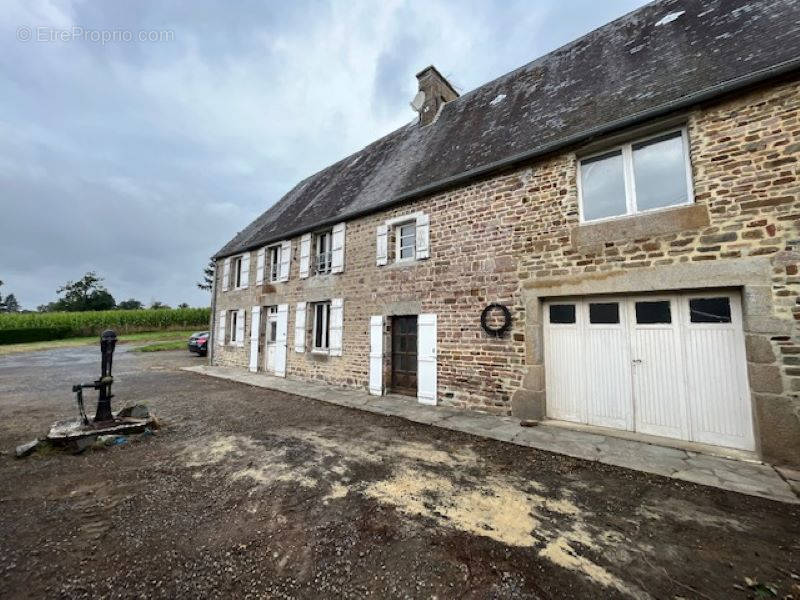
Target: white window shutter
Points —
{"points": [[280, 340], [305, 254], [226, 275], [382, 254], [300, 328], [240, 328], [286, 260], [426, 359], [245, 270], [376, 355], [255, 325], [221, 329], [335, 327], [337, 248], [260, 259], [423, 237]]}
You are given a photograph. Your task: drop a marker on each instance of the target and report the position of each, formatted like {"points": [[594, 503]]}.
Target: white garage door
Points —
{"points": [[671, 365]]}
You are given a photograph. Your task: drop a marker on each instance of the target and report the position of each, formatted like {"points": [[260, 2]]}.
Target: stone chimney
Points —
{"points": [[434, 91]]}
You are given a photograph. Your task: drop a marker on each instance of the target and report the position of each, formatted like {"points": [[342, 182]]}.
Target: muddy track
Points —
{"points": [[252, 493]]}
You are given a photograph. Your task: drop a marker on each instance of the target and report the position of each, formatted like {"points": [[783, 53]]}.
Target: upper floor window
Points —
{"points": [[406, 241], [274, 263], [406, 236], [640, 176], [323, 255], [237, 271]]}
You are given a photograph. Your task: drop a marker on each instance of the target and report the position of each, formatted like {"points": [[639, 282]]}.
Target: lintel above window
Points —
{"points": [[647, 174]]}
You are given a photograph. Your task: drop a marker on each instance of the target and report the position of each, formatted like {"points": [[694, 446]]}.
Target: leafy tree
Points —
{"points": [[183, 305], [208, 277], [130, 304], [85, 294], [10, 304], [157, 304]]}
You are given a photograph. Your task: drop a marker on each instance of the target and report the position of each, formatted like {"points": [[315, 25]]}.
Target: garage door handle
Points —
{"points": [[636, 361]]}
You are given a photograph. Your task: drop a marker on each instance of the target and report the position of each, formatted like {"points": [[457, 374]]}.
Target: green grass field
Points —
{"points": [[161, 346], [177, 338]]}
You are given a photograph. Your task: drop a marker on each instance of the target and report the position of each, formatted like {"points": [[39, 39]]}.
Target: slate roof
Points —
{"points": [[666, 55]]}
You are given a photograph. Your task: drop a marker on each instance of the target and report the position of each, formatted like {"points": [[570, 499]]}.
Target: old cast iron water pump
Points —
{"points": [[108, 340]]}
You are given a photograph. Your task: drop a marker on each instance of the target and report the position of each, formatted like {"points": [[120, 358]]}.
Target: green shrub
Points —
{"points": [[42, 334], [59, 325]]}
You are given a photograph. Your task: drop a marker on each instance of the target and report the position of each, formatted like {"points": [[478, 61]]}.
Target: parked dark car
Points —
{"points": [[198, 343]]}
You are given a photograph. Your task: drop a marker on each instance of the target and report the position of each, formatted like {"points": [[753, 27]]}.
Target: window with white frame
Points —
{"points": [[321, 328], [407, 237], [640, 176], [274, 263], [236, 272], [323, 255], [405, 241], [233, 327]]}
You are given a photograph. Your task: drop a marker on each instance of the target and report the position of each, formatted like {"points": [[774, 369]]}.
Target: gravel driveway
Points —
{"points": [[251, 493]]}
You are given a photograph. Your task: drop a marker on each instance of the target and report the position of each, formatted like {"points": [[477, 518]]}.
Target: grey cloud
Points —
{"points": [[139, 160]]}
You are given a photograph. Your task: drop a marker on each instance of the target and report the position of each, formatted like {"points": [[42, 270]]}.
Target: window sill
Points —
{"points": [[590, 237], [320, 352], [400, 264]]}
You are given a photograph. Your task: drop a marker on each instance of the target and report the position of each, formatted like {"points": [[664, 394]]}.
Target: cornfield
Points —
{"points": [[20, 327]]}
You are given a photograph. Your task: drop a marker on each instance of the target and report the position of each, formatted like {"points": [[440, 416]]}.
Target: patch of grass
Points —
{"points": [[181, 336], [161, 346]]}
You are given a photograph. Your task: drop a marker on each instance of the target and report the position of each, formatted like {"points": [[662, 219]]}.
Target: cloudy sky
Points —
{"points": [[139, 158]]}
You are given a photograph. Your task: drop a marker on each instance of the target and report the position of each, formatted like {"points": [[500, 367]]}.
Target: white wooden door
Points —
{"points": [[659, 389], [376, 355], [716, 378], [563, 360], [606, 363], [426, 359], [272, 338], [671, 365], [281, 335], [254, 337]]}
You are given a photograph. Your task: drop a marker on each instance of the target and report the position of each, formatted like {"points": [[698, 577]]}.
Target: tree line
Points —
{"points": [[85, 294]]}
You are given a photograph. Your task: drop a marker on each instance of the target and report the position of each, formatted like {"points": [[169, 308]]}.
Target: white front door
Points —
{"points": [[671, 365], [271, 335]]}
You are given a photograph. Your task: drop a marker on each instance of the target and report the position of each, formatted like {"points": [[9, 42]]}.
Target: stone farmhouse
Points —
{"points": [[630, 199]]}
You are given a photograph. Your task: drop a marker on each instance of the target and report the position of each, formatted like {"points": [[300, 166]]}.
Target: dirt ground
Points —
{"points": [[249, 493]]}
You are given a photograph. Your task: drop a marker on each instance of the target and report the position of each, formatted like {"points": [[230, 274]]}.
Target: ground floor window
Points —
{"points": [[233, 322], [321, 330]]}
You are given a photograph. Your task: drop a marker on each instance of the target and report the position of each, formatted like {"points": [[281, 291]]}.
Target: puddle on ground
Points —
{"points": [[510, 510]]}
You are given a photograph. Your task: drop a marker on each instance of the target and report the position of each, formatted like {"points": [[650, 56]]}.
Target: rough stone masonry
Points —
{"points": [[515, 238]]}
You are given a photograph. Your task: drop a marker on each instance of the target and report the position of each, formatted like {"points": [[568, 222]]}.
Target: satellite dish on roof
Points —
{"points": [[418, 101]]}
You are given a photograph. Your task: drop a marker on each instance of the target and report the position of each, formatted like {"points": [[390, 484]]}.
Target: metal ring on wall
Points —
{"points": [[499, 331]]}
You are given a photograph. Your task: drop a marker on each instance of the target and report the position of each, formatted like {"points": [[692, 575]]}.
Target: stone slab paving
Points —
{"points": [[746, 477]]}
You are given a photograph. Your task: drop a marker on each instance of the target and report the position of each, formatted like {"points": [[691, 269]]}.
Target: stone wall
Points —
{"points": [[516, 238]]}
